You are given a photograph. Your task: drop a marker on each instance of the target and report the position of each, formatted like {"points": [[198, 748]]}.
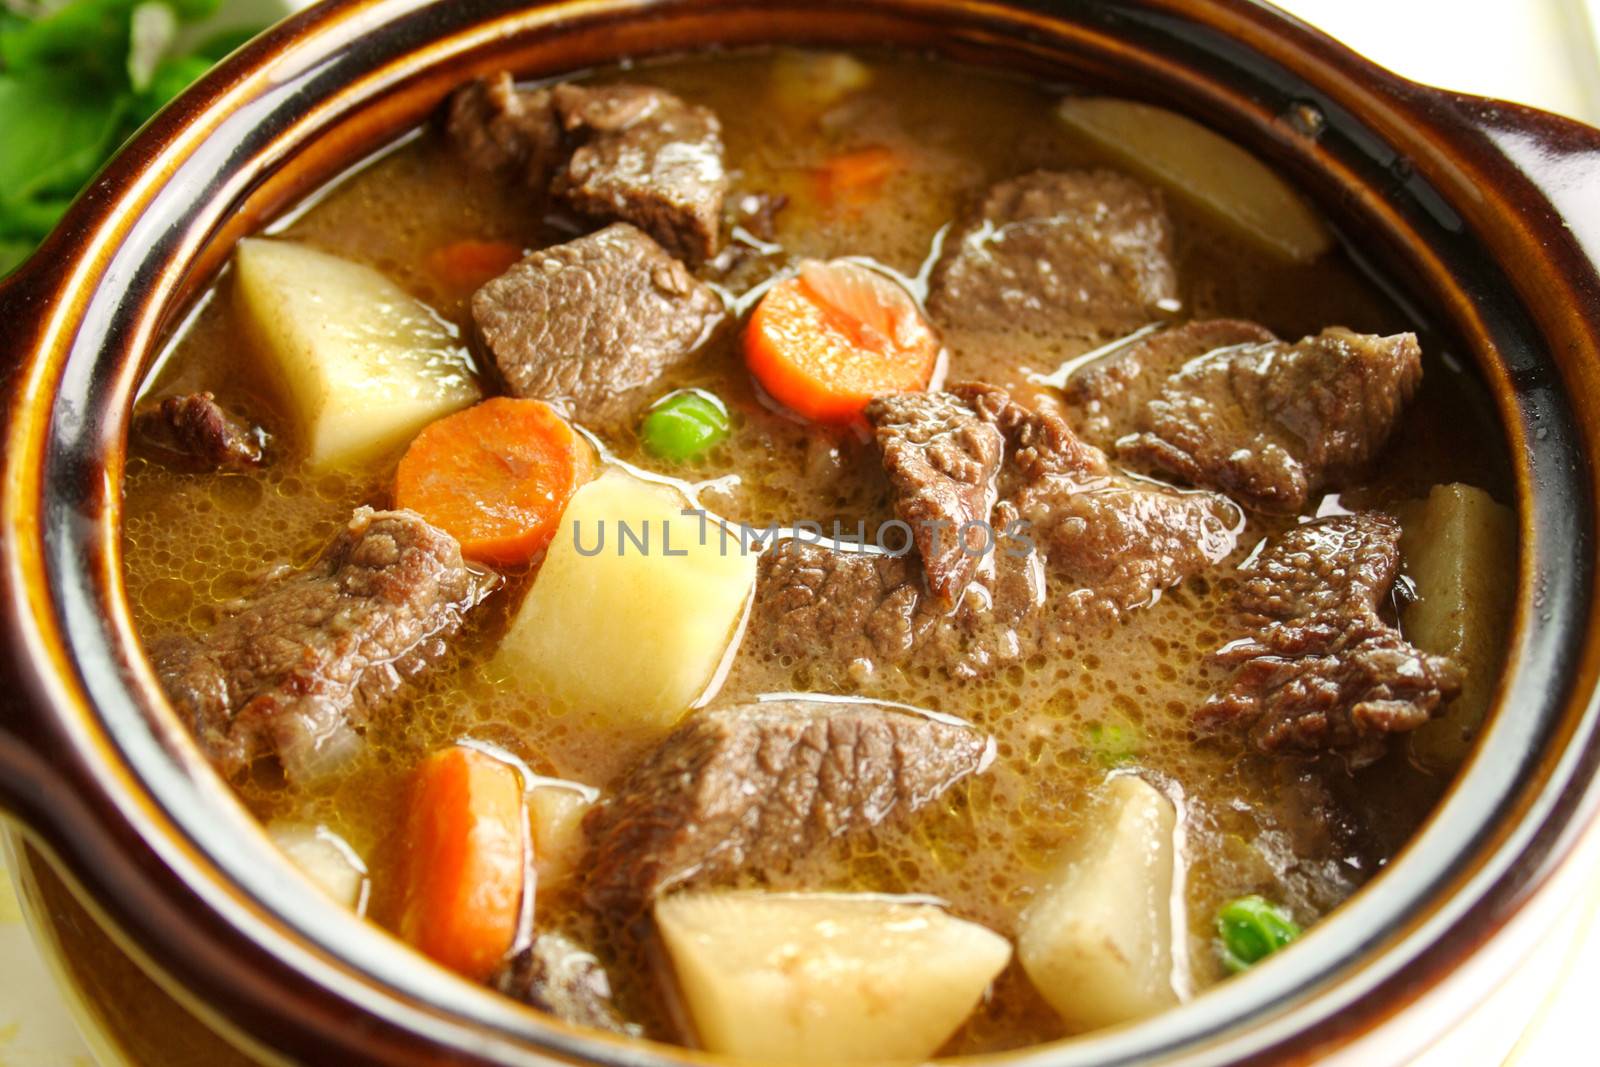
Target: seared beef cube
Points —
{"points": [[1321, 670], [300, 668], [1111, 543], [1097, 543], [500, 129], [943, 462], [587, 324], [1271, 423], [615, 153], [197, 432], [1107, 397], [558, 977], [857, 613], [1081, 253], [646, 157], [753, 789], [856, 608]]}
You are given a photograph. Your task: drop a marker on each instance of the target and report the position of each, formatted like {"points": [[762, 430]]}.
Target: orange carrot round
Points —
{"points": [[496, 477], [835, 335], [854, 178], [469, 265], [466, 860]]}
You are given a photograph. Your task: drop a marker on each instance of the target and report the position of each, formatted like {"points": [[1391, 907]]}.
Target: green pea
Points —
{"points": [[684, 425], [1112, 744], [1251, 929]]}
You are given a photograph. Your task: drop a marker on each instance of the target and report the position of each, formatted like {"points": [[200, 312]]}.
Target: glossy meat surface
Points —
{"points": [[1321, 670], [587, 324]]}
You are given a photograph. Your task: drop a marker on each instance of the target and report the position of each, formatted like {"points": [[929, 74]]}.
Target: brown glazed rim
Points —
{"points": [[1473, 209]]}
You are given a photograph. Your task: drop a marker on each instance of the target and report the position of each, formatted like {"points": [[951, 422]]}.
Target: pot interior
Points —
{"points": [[329, 90]]}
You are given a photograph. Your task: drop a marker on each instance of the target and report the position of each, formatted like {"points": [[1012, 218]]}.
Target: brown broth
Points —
{"points": [[196, 542]]}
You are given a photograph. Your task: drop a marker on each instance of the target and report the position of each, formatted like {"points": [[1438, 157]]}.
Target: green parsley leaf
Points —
{"points": [[58, 130], [12, 253], [33, 219]]}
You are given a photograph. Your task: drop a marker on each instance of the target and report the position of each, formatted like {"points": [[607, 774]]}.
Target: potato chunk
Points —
{"points": [[1203, 168], [633, 613], [1097, 941], [325, 858], [1459, 548], [555, 813], [829, 978], [362, 364], [805, 84]]}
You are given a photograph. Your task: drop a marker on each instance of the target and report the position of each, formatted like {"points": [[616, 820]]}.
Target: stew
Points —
{"points": [[801, 550]]}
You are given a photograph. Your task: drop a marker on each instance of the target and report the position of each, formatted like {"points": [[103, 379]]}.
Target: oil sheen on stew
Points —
{"points": [[799, 550]]}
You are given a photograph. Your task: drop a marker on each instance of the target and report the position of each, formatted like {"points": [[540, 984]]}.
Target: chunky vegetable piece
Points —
{"points": [[832, 978], [556, 813], [1097, 940], [466, 860], [467, 266], [635, 607], [363, 364], [805, 84], [495, 477], [1460, 550], [1252, 928], [852, 179], [834, 336], [685, 425], [1203, 168], [327, 859]]}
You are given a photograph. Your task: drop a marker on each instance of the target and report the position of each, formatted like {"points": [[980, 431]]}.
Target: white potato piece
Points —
{"points": [[327, 859], [555, 813], [1203, 168], [362, 364], [631, 617], [1459, 549], [805, 84], [1098, 939], [824, 977]]}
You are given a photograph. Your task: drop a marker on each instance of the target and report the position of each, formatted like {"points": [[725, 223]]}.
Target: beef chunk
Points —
{"points": [[1111, 543], [587, 324], [752, 789], [615, 153], [558, 977], [857, 613], [1270, 423], [197, 432], [300, 667], [1081, 253], [943, 462], [1099, 543], [503, 130], [1107, 397], [855, 608], [1320, 670], [646, 157]]}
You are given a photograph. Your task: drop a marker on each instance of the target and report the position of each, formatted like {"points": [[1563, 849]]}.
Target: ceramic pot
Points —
{"points": [[1484, 214]]}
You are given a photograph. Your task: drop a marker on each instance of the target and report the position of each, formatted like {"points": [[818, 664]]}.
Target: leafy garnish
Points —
{"points": [[77, 78]]}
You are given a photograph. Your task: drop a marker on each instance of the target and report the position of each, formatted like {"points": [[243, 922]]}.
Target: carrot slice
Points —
{"points": [[496, 477], [834, 336], [469, 265], [466, 860], [853, 178]]}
